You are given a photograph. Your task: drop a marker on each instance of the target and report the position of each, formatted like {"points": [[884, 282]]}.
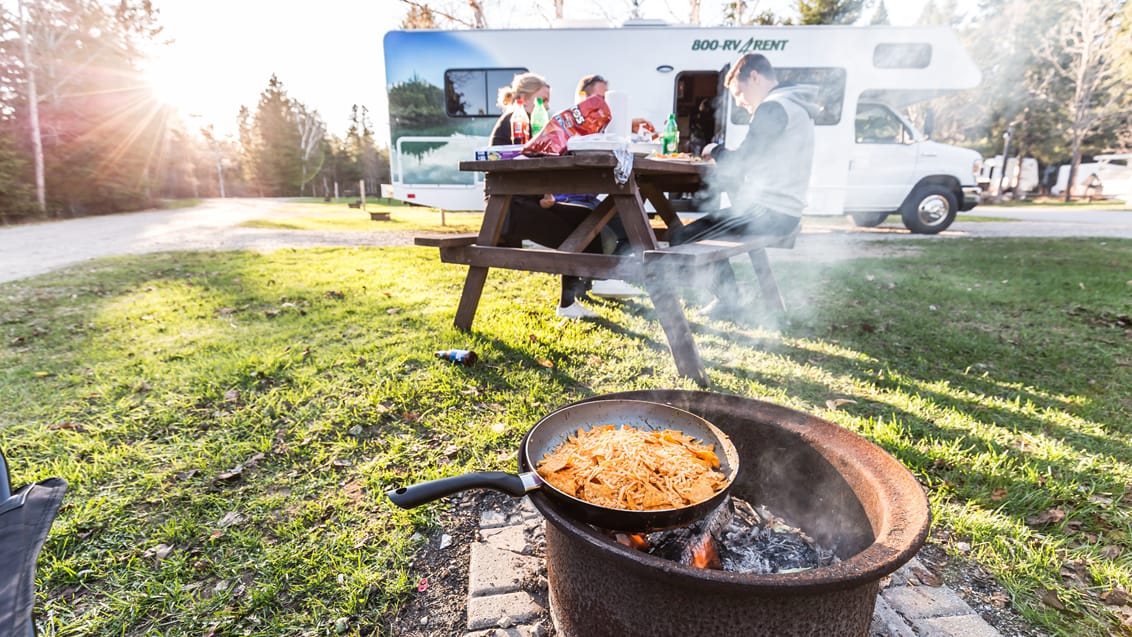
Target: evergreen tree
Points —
{"points": [[273, 143], [880, 16], [831, 11], [17, 200]]}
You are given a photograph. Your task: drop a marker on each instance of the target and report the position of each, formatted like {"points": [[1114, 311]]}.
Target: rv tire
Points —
{"points": [[930, 209], [868, 219]]}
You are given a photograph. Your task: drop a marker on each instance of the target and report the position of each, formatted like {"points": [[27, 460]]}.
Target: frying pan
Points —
{"points": [[552, 430]]}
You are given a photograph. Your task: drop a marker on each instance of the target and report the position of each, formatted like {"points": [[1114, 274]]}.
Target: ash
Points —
{"points": [[740, 538], [756, 541]]}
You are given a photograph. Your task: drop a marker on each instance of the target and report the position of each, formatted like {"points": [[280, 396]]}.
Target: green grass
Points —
{"points": [[174, 204], [996, 370], [316, 214], [1058, 202]]}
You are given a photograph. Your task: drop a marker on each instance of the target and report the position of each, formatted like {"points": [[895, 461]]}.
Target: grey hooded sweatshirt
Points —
{"points": [[771, 167]]}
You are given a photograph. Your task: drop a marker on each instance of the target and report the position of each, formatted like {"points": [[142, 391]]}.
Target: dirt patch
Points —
{"points": [[440, 609], [979, 589]]}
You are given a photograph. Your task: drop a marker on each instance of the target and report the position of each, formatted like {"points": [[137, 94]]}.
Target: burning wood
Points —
{"points": [[736, 537]]}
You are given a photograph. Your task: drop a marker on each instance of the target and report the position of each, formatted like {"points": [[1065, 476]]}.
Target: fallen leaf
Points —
{"points": [[230, 518], [999, 599], [67, 425], [231, 475], [226, 311], [41, 374], [1111, 551], [837, 402], [215, 535], [1115, 597], [1050, 598], [232, 395], [393, 310], [594, 360], [546, 363], [927, 577], [422, 585], [998, 494], [1049, 516], [498, 428]]}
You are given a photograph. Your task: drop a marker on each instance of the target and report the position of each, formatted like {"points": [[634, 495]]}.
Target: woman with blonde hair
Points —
{"points": [[541, 219]]}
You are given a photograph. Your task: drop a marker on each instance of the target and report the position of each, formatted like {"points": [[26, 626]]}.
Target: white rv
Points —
{"points": [[870, 161]]}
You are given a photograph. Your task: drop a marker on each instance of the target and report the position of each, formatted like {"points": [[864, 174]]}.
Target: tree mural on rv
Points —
{"points": [[416, 107]]}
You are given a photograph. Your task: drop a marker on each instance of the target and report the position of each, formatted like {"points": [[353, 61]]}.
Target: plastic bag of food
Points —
{"points": [[584, 118]]}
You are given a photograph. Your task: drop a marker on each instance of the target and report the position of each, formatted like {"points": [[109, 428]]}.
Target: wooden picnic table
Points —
{"points": [[648, 263]]}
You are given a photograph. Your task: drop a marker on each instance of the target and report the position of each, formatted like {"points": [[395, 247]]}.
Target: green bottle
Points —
{"points": [[670, 138], [539, 117]]}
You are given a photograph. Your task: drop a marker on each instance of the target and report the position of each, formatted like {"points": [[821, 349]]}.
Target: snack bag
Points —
{"points": [[584, 118]]}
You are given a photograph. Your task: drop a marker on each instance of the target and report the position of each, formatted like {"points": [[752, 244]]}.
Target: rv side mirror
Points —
{"points": [[929, 122]]}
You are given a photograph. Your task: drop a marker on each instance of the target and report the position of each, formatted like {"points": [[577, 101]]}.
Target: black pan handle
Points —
{"points": [[418, 494]]}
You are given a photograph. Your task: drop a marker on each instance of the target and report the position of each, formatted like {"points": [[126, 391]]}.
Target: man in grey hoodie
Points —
{"points": [[766, 177]]}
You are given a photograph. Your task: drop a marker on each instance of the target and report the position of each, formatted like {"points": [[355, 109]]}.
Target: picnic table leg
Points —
{"points": [[772, 298], [676, 329], [490, 231], [662, 292]]}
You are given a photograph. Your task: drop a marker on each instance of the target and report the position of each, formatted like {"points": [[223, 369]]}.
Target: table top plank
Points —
{"points": [[578, 161]]}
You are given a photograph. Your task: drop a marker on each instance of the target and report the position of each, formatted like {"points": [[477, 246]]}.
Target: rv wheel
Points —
{"points": [[930, 209], [868, 219]]}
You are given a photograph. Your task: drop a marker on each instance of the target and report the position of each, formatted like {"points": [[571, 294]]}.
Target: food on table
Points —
{"points": [[634, 469], [687, 156]]}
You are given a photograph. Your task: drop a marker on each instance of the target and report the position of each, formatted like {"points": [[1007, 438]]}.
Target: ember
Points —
{"points": [[736, 537]]}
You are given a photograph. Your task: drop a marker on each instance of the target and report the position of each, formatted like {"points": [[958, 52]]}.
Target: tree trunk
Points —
{"points": [[33, 115]]}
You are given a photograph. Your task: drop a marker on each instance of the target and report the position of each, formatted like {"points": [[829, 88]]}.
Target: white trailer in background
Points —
{"points": [[1106, 176], [870, 161]]}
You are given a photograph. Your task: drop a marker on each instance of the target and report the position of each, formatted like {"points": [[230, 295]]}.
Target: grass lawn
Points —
{"points": [[228, 422], [1058, 202], [315, 214]]}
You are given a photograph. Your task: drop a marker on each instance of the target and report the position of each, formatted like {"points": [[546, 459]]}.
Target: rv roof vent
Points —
{"points": [[644, 22]]}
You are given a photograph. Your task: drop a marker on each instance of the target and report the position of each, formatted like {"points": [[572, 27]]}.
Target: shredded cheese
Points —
{"points": [[633, 469]]}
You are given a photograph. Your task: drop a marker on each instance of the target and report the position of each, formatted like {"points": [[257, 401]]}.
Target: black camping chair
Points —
{"points": [[25, 518]]}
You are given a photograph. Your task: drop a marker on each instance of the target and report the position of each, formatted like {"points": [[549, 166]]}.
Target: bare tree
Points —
{"points": [[33, 109], [1081, 73], [312, 133], [477, 13], [694, 16], [558, 9]]}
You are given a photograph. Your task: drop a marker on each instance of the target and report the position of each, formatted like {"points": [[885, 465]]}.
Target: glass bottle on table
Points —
{"points": [[539, 117], [520, 124], [670, 138]]}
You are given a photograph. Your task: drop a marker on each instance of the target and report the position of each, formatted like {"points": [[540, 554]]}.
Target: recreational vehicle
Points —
{"points": [[870, 161]]}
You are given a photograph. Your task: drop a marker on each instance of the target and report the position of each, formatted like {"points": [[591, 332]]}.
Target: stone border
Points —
{"points": [[507, 560]]}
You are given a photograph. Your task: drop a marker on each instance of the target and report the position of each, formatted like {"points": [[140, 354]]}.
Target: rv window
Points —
{"points": [[831, 93], [915, 55], [473, 92], [877, 125]]}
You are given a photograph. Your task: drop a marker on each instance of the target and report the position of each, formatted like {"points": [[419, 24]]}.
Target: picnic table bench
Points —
{"points": [[649, 263]]}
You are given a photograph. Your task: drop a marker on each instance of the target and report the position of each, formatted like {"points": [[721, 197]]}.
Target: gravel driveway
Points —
{"points": [[33, 249]]}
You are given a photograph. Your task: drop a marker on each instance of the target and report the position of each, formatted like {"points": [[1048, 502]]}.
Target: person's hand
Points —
{"points": [[642, 126], [706, 152], [547, 201]]}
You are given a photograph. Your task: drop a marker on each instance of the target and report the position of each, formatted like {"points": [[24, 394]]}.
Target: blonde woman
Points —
{"points": [[541, 219]]}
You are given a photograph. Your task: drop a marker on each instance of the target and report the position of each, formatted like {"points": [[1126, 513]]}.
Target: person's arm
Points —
{"points": [[767, 124], [501, 134]]}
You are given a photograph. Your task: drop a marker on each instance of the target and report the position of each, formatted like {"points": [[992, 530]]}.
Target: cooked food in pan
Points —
{"points": [[633, 469]]}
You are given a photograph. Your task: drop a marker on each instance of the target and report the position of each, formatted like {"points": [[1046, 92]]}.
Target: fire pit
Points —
{"points": [[843, 491]]}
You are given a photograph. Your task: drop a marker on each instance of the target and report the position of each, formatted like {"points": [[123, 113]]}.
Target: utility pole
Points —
{"points": [[33, 114], [1005, 158]]}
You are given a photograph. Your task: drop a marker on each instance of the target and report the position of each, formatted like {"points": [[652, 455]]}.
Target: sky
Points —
{"points": [[328, 54]]}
